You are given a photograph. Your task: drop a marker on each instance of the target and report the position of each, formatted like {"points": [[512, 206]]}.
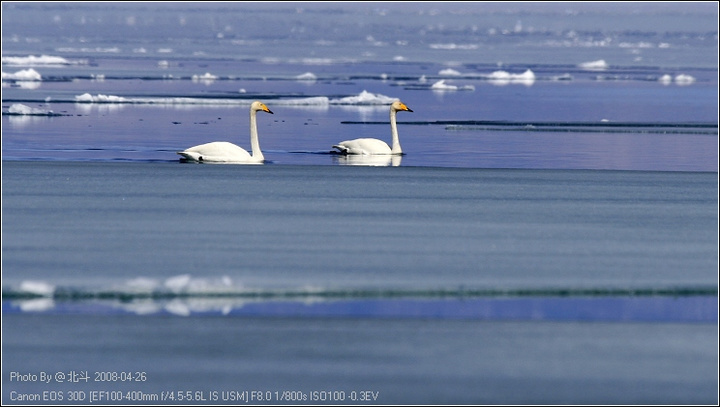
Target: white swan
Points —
{"points": [[224, 152], [372, 146]]}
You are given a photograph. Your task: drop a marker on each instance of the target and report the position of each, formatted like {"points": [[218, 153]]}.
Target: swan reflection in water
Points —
{"points": [[368, 160]]}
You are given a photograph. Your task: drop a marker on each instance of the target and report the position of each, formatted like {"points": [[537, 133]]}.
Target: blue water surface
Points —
{"points": [[549, 237]]}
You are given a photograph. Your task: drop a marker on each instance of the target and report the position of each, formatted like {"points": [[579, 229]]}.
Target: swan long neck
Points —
{"points": [[254, 142], [393, 128]]}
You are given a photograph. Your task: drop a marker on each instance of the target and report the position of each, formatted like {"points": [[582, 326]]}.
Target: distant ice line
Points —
{"points": [[42, 60], [365, 98], [602, 126], [186, 286], [498, 78]]}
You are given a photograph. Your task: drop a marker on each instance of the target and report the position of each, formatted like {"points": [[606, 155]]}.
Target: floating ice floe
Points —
{"points": [[34, 61], [496, 78], [442, 86], [206, 78], [178, 283], [110, 99], [307, 76], [186, 284], [142, 285], [681, 79], [88, 98], [449, 72], [503, 78], [18, 109], [37, 287], [311, 101], [364, 98], [599, 65], [23, 75], [665, 79]]}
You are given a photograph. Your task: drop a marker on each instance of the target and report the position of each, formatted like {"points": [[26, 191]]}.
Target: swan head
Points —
{"points": [[259, 106], [398, 106]]}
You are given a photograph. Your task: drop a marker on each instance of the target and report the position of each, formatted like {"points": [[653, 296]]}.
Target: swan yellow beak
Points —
{"points": [[405, 108], [265, 109]]}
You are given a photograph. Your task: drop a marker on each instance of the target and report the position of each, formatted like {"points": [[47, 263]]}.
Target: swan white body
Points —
{"points": [[225, 152], [372, 146]]}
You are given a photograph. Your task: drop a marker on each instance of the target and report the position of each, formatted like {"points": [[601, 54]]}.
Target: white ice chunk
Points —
{"points": [[178, 283], [307, 76], [449, 72], [23, 75], [37, 287], [20, 109], [683, 79], [599, 65]]}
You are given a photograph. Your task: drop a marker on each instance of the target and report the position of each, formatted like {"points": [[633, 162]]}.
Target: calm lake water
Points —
{"points": [[549, 237]]}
